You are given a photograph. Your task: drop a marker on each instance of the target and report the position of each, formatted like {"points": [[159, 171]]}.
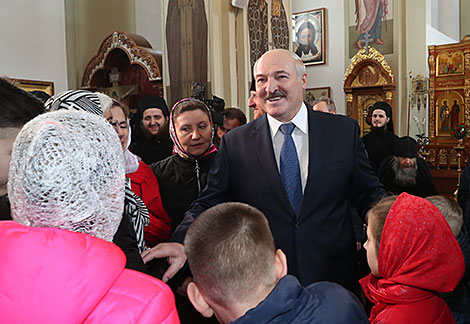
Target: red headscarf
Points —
{"points": [[417, 250]]}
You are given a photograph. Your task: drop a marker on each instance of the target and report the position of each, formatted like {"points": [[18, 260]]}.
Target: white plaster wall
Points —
{"points": [[149, 23], [332, 73], [33, 41]]}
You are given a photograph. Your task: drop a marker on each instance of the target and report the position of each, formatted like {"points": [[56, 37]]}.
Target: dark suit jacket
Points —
{"points": [[319, 242]]}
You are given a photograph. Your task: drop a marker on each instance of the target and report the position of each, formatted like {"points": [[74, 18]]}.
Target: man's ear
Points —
{"points": [[198, 300], [388, 119], [303, 80], [280, 264]]}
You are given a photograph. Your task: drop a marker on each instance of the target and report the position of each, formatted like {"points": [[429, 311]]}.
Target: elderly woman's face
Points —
{"points": [[194, 132]]}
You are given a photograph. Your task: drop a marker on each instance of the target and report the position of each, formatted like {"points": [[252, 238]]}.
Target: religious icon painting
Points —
{"points": [[308, 30], [370, 24], [450, 63], [311, 94], [450, 112]]}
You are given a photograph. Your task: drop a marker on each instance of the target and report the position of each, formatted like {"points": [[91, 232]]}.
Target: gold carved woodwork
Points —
{"points": [[442, 156], [373, 55], [432, 117], [432, 64], [449, 87], [432, 156], [368, 79], [138, 50], [453, 157], [467, 61]]}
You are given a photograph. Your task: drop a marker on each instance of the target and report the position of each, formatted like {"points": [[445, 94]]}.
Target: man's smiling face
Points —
{"points": [[278, 85]]}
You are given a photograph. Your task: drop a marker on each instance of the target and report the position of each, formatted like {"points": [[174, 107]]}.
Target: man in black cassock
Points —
{"points": [[405, 171], [380, 141]]}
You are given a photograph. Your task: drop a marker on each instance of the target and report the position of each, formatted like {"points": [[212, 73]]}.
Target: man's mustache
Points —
{"points": [[275, 94]]}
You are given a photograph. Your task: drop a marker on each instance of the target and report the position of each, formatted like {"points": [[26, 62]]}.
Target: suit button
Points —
{"points": [[297, 225]]}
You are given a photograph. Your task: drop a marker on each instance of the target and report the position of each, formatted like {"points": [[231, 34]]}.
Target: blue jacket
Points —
{"points": [[322, 302]]}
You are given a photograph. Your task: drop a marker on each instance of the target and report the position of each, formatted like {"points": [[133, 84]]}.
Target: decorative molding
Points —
{"points": [[442, 156], [136, 54], [373, 55]]}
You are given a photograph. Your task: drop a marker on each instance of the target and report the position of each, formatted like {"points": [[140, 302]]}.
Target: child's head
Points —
{"points": [[413, 245], [233, 260], [451, 211], [17, 107], [375, 224]]}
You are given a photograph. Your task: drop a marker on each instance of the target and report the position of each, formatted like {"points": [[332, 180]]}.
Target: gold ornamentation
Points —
{"points": [[432, 156], [349, 97], [467, 62], [442, 156], [453, 157], [432, 64], [136, 54], [467, 106], [432, 118], [448, 83], [374, 55], [388, 95]]}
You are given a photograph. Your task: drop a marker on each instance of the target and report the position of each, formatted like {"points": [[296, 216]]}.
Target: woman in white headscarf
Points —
{"points": [[65, 186]]}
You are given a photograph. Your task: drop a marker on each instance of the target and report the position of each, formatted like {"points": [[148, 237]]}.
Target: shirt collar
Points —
{"points": [[300, 121]]}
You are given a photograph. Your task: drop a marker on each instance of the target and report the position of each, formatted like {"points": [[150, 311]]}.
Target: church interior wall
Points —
{"points": [[33, 41], [55, 40], [332, 73], [149, 22], [88, 23]]}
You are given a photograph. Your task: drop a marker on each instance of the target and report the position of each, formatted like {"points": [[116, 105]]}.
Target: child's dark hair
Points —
{"points": [[17, 106]]}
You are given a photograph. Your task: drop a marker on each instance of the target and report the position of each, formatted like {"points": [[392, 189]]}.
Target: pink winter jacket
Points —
{"points": [[48, 275]]}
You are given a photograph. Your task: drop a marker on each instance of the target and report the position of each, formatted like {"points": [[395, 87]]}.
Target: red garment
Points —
{"points": [[144, 184], [53, 276], [418, 257]]}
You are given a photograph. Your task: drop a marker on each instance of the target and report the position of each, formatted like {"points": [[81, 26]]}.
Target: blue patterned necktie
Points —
{"points": [[289, 167]]}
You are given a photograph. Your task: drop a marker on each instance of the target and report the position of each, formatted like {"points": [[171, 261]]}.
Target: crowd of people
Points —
{"points": [[182, 221]]}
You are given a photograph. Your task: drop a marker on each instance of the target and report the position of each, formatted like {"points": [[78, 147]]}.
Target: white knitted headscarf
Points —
{"points": [[67, 171]]}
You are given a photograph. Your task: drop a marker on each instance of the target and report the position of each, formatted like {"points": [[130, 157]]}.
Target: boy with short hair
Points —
{"points": [[239, 276], [17, 107], [459, 299]]}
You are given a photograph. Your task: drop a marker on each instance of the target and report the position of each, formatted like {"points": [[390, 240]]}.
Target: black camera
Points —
{"points": [[216, 105]]}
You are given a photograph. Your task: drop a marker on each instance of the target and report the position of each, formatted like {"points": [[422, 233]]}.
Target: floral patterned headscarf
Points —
{"points": [[177, 148]]}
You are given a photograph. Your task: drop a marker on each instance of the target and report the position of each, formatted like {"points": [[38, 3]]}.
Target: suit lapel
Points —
{"points": [[317, 133], [261, 135]]}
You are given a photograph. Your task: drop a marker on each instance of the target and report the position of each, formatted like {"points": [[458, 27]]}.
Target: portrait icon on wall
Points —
{"points": [[308, 30], [449, 112], [311, 94]]}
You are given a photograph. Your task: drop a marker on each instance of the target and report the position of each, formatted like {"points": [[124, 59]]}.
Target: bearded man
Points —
{"points": [[151, 141], [380, 141], [405, 171]]}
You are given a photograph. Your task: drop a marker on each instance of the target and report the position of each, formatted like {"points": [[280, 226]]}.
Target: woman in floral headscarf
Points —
{"points": [[183, 175], [413, 257]]}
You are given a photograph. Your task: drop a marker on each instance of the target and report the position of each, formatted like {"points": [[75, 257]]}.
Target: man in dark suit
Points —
{"points": [[310, 219]]}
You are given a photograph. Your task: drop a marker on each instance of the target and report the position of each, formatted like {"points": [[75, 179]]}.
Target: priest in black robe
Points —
{"points": [[405, 171], [380, 141]]}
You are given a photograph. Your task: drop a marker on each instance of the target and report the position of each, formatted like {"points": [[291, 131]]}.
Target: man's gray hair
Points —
{"points": [[330, 104], [299, 64]]}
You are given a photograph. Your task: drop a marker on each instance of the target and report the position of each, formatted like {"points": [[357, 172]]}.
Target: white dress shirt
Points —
{"points": [[300, 137]]}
